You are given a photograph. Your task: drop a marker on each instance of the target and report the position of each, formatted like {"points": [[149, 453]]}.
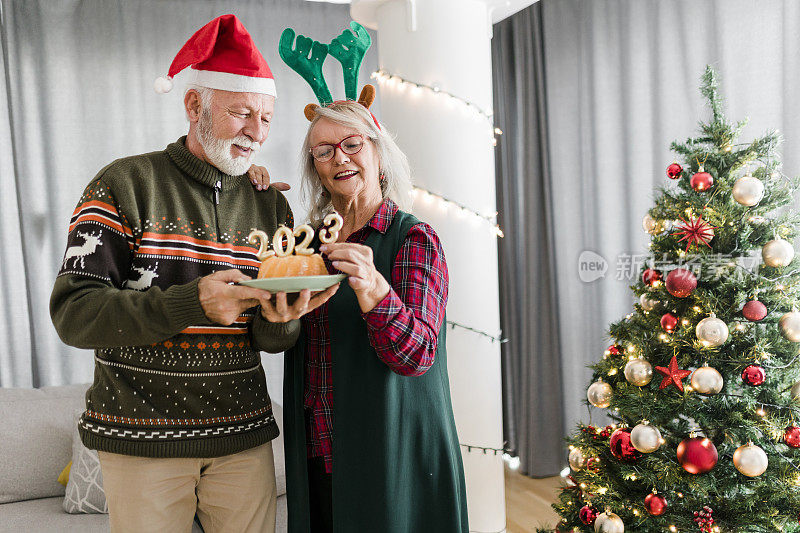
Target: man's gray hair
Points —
{"points": [[393, 162], [206, 93]]}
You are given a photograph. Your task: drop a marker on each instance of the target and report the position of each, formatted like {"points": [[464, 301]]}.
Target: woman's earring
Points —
{"points": [[381, 176]]}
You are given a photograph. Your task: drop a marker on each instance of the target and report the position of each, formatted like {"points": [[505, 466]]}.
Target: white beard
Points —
{"points": [[218, 151]]}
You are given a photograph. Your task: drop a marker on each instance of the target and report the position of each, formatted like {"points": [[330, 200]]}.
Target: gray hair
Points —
{"points": [[206, 93], [393, 162]]}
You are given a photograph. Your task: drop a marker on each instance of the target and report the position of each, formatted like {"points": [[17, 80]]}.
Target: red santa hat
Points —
{"points": [[222, 56]]}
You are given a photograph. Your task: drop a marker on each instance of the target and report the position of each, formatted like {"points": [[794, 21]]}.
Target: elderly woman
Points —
{"points": [[371, 444]]}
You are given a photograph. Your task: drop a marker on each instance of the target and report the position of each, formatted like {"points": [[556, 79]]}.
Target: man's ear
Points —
{"points": [[192, 103]]}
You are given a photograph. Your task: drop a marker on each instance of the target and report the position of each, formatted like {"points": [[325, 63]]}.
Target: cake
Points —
{"points": [[287, 259]]}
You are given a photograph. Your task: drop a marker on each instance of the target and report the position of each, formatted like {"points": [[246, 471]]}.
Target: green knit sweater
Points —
{"points": [[168, 382]]}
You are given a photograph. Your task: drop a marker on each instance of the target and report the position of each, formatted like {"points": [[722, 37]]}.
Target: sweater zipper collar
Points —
{"points": [[200, 171]]}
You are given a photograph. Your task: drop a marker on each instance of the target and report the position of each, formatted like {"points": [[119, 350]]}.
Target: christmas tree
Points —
{"points": [[702, 380]]}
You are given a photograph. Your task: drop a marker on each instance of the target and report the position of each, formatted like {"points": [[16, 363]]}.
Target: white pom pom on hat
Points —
{"points": [[163, 85], [222, 55]]}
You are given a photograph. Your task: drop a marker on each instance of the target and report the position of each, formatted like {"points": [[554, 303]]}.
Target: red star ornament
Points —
{"points": [[672, 375], [695, 231]]}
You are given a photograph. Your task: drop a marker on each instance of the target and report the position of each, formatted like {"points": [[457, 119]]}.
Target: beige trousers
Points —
{"points": [[234, 493]]}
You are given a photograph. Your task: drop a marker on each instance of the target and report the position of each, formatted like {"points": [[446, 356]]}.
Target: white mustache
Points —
{"points": [[244, 142]]}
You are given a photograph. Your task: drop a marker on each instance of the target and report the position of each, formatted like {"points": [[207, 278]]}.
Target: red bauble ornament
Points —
{"points": [[655, 504], [792, 436], [672, 375], [674, 171], [650, 276], [669, 322], [753, 375], [681, 282], [701, 181], [593, 464], [588, 514], [615, 349], [697, 455], [754, 311], [621, 446]]}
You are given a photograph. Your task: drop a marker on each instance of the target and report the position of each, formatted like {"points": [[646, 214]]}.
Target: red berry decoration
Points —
{"points": [[669, 322], [593, 464], [697, 455], [704, 520], [681, 282], [588, 514], [701, 181], [674, 171], [655, 504], [650, 276], [753, 375], [754, 311], [615, 349], [621, 446], [792, 436]]}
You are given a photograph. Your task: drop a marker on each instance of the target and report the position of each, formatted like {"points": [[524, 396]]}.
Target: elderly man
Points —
{"points": [[179, 409]]}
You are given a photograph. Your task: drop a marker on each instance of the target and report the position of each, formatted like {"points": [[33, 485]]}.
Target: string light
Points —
{"points": [[494, 338], [428, 197], [395, 81]]}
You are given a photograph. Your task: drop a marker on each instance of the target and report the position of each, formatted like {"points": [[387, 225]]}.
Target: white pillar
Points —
{"points": [[446, 43]]}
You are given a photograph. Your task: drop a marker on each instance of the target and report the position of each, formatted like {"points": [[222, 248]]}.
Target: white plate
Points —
{"points": [[294, 284]]}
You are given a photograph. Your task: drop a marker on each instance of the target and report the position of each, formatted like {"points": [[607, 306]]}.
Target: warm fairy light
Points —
{"points": [[697, 308], [612, 372], [400, 84], [680, 495], [685, 322], [740, 327], [673, 528], [602, 490], [583, 485], [636, 512], [445, 203], [761, 411], [779, 287], [663, 337], [657, 283]]}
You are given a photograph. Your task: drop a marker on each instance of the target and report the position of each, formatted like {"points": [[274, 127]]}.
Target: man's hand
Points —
{"points": [[260, 178], [223, 303], [281, 311]]}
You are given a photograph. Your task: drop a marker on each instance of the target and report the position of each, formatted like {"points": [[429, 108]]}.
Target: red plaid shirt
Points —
{"points": [[403, 328]]}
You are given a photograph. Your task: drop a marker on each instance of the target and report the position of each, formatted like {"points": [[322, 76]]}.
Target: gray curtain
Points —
{"points": [[531, 359], [621, 82], [77, 94]]}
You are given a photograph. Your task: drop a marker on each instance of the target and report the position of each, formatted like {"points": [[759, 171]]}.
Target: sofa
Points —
{"points": [[36, 440]]}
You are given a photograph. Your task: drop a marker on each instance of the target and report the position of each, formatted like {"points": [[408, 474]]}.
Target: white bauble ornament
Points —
{"points": [[707, 380], [796, 392], [600, 394], [651, 225], [608, 522], [577, 461], [638, 372], [777, 253], [711, 331], [646, 438], [750, 460], [646, 303], [748, 191], [790, 326]]}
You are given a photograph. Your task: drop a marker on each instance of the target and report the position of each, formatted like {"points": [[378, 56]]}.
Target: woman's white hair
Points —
{"points": [[393, 162]]}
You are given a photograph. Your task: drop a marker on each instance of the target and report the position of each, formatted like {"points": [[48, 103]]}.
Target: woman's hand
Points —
{"points": [[281, 311], [260, 179], [355, 260]]}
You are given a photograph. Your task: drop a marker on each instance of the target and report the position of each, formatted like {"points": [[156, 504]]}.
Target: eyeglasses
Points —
{"points": [[349, 145]]}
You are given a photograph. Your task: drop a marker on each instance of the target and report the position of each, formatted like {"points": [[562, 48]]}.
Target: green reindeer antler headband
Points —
{"points": [[307, 57]]}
